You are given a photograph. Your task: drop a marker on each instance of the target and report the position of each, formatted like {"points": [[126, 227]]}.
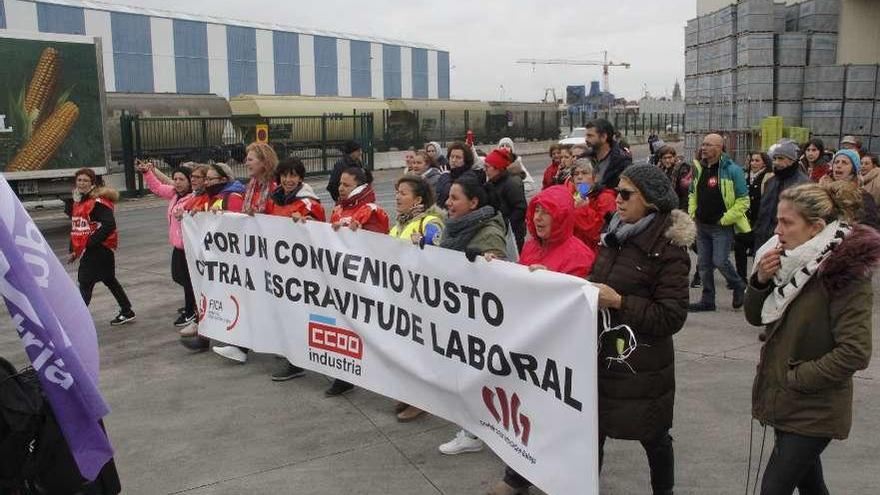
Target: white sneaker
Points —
{"points": [[231, 352], [462, 443], [190, 330]]}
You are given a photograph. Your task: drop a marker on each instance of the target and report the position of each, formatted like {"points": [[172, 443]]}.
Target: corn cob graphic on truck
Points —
{"points": [[51, 92]]}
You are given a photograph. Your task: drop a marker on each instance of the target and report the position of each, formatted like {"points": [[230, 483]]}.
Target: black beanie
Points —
{"points": [[654, 186]]}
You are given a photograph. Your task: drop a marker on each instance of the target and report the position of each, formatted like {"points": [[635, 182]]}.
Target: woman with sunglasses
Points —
{"points": [[221, 193], [642, 276]]}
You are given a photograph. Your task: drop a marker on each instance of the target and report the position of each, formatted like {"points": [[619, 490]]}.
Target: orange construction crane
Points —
{"points": [[561, 61]]}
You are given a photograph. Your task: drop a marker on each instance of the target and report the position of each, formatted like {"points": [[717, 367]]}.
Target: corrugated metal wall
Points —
{"points": [[361, 80], [326, 67], [2, 15], [443, 75], [391, 71], [132, 52], [241, 49], [60, 19], [286, 48], [191, 56], [420, 73]]}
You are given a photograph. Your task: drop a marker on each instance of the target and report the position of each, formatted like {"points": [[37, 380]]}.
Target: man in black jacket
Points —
{"points": [[609, 159], [352, 155], [510, 192]]}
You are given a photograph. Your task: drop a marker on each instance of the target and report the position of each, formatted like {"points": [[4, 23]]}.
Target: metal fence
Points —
{"points": [[632, 124], [412, 129], [170, 141]]}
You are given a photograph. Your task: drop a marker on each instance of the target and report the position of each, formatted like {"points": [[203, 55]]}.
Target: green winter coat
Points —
{"points": [[804, 377], [734, 191], [491, 238]]}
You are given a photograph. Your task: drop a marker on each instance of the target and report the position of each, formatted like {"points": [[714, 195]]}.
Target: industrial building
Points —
{"points": [[156, 51], [812, 62]]}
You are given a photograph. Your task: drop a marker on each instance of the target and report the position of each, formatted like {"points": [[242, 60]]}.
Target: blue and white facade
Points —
{"points": [[156, 51]]}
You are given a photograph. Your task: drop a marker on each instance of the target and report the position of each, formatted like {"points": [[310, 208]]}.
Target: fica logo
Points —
{"points": [[506, 411], [226, 311]]}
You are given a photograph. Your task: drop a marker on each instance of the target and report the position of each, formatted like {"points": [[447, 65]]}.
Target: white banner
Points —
{"points": [[508, 354]]}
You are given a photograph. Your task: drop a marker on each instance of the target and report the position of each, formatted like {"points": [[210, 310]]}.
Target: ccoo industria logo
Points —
{"points": [[506, 411], [226, 311], [333, 346]]}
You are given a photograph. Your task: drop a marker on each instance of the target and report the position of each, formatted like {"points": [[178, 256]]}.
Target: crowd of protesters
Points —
{"points": [[809, 221]]}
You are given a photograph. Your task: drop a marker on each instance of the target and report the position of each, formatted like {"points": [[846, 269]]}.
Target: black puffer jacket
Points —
{"points": [[512, 196], [444, 182], [650, 271], [336, 175]]}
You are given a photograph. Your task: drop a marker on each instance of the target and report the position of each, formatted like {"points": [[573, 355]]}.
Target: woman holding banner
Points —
{"points": [[552, 246], [476, 228], [418, 221], [642, 277], [93, 240], [356, 209], [261, 161], [297, 200]]}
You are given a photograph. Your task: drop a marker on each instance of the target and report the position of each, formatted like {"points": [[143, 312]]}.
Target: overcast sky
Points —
{"points": [[486, 37]]}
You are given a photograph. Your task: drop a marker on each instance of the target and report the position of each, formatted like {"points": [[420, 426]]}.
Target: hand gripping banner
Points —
{"points": [[508, 354]]}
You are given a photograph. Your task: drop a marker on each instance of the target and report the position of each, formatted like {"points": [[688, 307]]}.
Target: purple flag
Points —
{"points": [[57, 331]]}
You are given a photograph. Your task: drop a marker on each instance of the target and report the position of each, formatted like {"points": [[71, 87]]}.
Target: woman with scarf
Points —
{"points": [[178, 195], [420, 222], [356, 209], [566, 165], [93, 240], [260, 161], [811, 289], [461, 164], [434, 151], [786, 173], [475, 227], [221, 193], [642, 277], [296, 200]]}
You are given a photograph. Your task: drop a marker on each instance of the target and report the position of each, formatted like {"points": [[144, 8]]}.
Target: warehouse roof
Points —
{"points": [[111, 7]]}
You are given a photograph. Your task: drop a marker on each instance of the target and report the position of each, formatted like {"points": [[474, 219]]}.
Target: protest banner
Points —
{"points": [[508, 354], [56, 330]]}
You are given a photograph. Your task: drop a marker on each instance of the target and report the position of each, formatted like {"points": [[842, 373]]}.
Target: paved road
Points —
{"points": [[198, 424]]}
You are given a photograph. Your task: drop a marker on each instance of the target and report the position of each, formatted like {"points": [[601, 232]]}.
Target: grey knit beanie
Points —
{"points": [[654, 186]]}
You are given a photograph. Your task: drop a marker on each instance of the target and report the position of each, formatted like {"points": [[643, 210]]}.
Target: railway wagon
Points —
{"points": [[291, 118], [183, 134]]}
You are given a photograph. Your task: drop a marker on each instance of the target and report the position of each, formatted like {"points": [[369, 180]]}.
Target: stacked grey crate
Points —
{"points": [[791, 57], [758, 23]]}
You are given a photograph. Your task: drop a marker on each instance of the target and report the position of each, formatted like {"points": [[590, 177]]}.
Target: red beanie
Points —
{"points": [[499, 158]]}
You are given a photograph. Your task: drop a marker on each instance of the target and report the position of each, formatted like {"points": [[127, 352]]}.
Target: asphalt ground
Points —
{"points": [[198, 424]]}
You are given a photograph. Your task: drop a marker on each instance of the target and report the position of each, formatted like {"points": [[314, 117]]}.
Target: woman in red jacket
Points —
{"points": [[356, 209], [357, 206], [93, 240], [293, 199], [553, 247], [591, 207]]}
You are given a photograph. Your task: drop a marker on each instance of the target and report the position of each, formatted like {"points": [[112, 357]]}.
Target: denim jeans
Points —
{"points": [[795, 463], [714, 243]]}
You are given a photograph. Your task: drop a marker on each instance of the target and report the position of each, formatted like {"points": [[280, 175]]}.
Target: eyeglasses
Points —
{"points": [[625, 194], [197, 176]]}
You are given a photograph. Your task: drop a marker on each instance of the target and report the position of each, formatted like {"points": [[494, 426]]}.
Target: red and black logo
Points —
{"points": [[509, 414], [214, 309]]}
